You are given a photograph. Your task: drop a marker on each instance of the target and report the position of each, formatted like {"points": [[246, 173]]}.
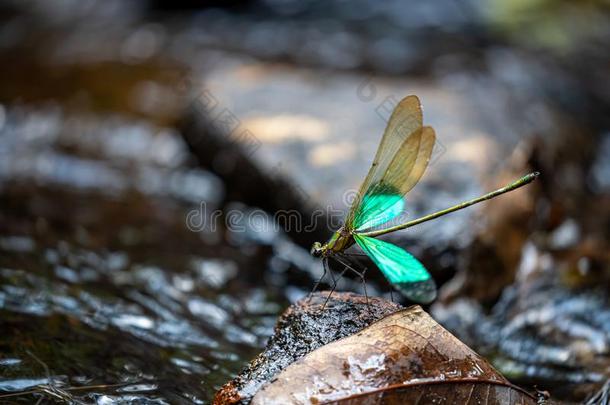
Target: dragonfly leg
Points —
{"points": [[332, 290], [355, 254], [315, 286], [365, 255], [329, 270], [360, 275], [364, 288], [344, 262]]}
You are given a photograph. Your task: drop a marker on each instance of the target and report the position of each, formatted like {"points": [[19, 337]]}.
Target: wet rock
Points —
{"points": [[352, 353], [405, 357], [540, 331], [602, 397], [302, 328]]}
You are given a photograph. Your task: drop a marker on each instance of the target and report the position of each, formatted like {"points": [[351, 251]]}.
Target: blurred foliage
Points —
{"points": [[559, 25]]}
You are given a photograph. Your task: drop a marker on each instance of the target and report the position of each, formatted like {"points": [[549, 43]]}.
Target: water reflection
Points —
{"points": [[172, 317], [196, 333]]}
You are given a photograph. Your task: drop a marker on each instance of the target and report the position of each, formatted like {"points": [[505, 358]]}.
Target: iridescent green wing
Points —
{"points": [[402, 270], [400, 162], [384, 199]]}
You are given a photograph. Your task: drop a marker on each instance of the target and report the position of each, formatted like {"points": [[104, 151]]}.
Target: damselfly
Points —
{"points": [[400, 162]]}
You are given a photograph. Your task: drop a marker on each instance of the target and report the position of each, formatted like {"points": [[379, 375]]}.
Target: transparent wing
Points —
{"points": [[383, 199], [402, 270], [404, 123], [399, 163]]}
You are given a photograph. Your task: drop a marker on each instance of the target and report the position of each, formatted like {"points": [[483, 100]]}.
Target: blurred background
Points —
{"points": [[132, 133]]}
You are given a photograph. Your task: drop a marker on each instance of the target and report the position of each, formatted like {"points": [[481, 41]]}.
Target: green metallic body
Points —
{"points": [[338, 242]]}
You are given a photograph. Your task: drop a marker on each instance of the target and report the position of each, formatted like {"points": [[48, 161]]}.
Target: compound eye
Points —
{"points": [[316, 249]]}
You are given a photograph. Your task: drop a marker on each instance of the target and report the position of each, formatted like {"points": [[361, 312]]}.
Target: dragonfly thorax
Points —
{"points": [[340, 241]]}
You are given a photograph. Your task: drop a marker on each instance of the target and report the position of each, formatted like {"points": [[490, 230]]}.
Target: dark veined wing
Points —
{"points": [[401, 160]]}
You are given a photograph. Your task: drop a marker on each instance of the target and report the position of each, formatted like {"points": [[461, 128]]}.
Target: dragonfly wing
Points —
{"points": [[399, 163], [377, 209], [403, 125], [401, 175], [401, 269]]}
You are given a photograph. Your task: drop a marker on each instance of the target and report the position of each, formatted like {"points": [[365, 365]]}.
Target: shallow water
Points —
{"points": [[110, 289], [106, 285]]}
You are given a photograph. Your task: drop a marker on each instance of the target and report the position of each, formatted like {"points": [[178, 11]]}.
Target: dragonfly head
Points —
{"points": [[317, 249]]}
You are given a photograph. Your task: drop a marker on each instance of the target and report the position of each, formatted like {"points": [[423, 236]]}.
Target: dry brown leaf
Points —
{"points": [[404, 358]]}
